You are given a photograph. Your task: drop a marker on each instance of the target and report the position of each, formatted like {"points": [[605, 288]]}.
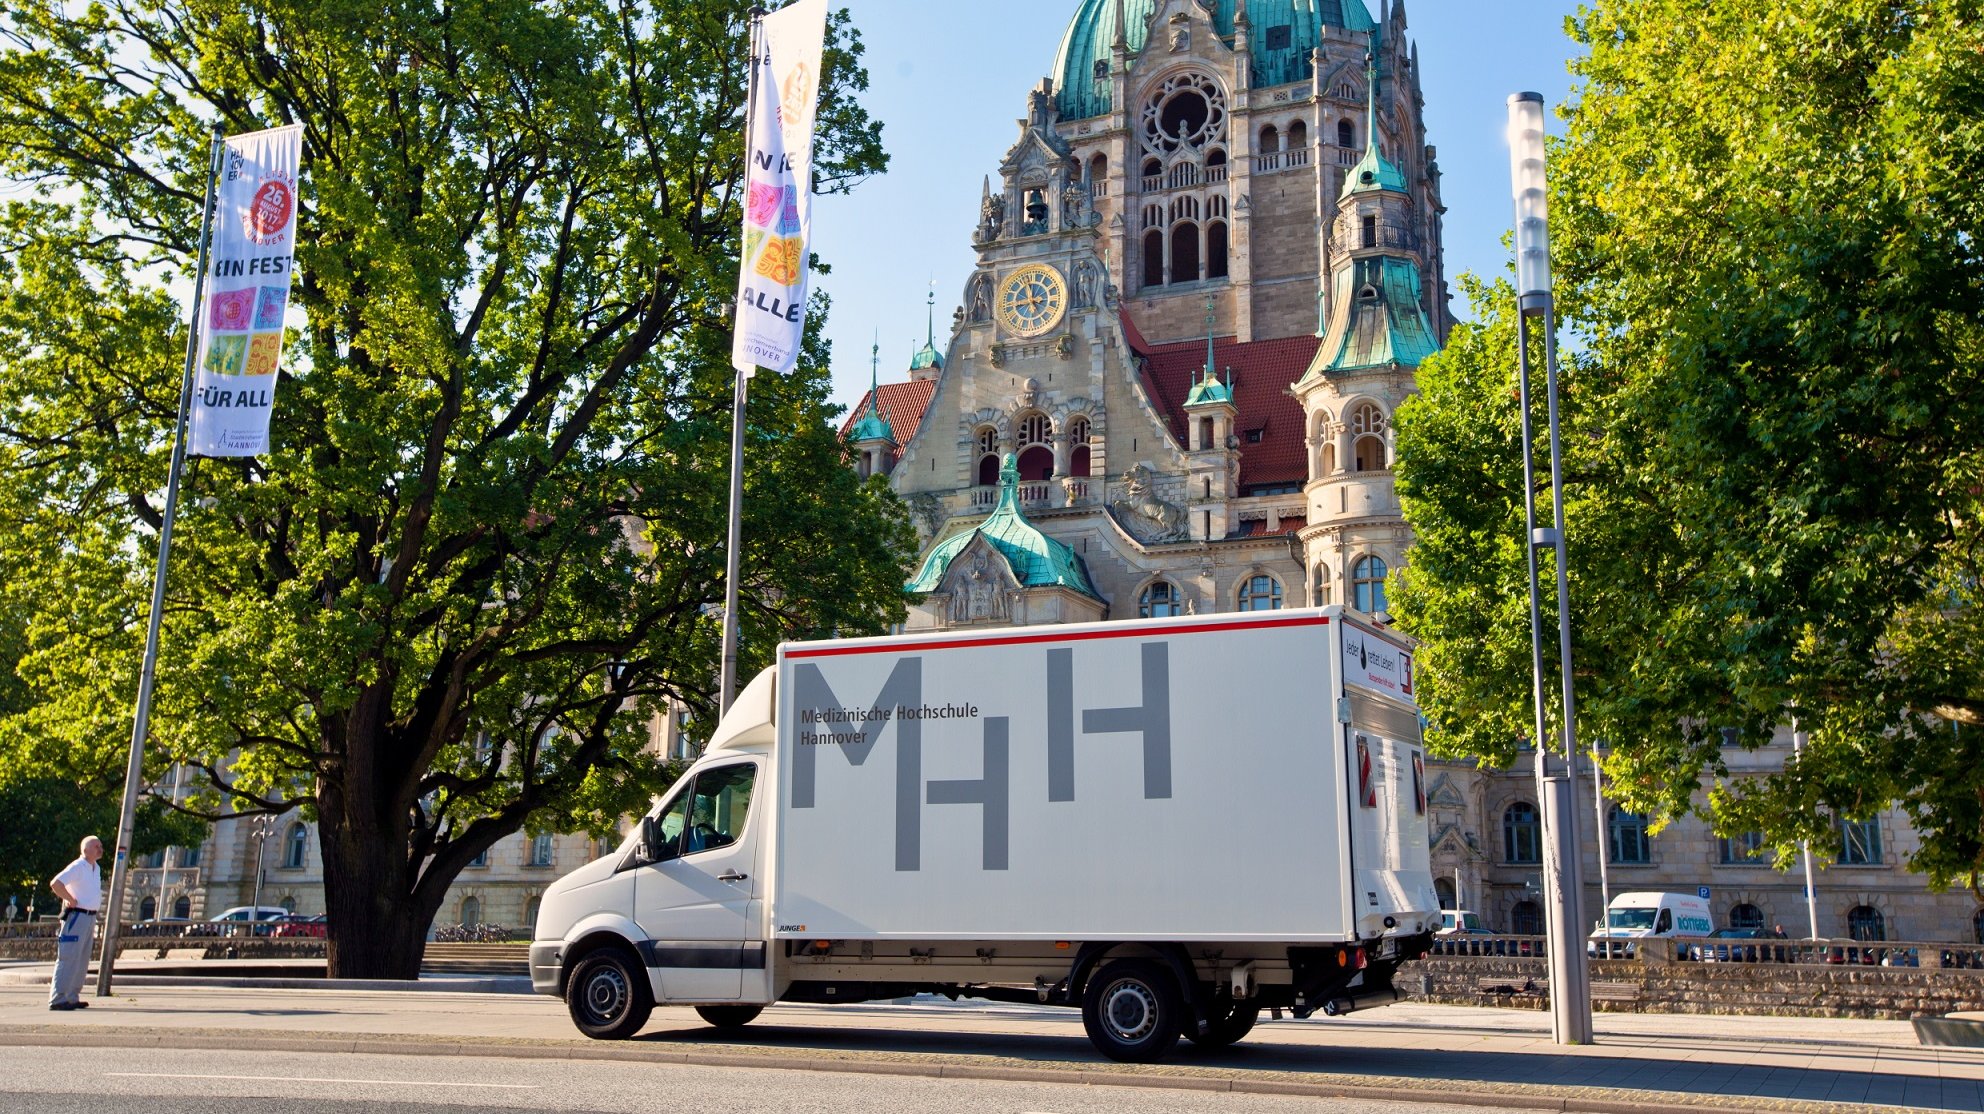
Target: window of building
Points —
{"points": [[1036, 456], [1368, 236], [1745, 915], [481, 858], [288, 905], [294, 846], [1278, 38], [1159, 600], [1367, 584], [1977, 925], [153, 861], [147, 909], [1526, 919], [189, 856], [182, 907], [1216, 249], [1859, 841], [1522, 835], [471, 911], [1346, 134], [541, 850], [988, 456], [1185, 252], [1746, 849], [530, 911], [1154, 257], [1098, 169], [1625, 837], [1367, 429], [1443, 889], [1260, 593], [1298, 135], [1270, 140], [1864, 922], [1079, 453]]}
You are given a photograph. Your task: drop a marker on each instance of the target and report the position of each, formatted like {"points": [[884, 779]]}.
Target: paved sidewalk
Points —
{"points": [[1485, 1056]]}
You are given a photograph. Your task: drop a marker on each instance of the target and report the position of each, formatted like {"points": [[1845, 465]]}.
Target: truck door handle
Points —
{"points": [[731, 876]]}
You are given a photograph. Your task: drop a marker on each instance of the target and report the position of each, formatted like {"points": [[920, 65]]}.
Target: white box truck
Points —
{"points": [[1169, 824]]}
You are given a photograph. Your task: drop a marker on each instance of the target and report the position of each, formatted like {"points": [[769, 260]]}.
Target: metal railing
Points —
{"points": [[1704, 949]]}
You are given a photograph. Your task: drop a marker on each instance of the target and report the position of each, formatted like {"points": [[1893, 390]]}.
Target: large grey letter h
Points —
{"points": [[1152, 718]]}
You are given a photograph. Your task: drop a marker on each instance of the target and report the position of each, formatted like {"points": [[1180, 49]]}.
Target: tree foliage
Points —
{"points": [[488, 540], [1764, 220]]}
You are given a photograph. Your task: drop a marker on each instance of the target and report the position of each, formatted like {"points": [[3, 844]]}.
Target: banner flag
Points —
{"points": [[778, 203], [250, 257]]}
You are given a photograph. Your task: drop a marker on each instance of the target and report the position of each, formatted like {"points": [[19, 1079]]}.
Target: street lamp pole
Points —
{"points": [[263, 826], [1570, 986]]}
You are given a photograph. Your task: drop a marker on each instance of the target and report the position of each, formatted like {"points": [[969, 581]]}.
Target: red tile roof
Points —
{"points": [[902, 404], [1261, 373]]}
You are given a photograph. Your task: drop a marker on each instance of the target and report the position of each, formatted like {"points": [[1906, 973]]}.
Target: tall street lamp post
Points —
{"points": [[1570, 986]]}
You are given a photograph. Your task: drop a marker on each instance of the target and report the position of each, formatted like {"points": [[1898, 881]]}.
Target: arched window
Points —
{"points": [[1864, 922], [1270, 140], [1745, 915], [1346, 135], [1522, 835], [1298, 135], [1098, 169], [1443, 888], [541, 848], [1216, 249], [1260, 593], [988, 456], [182, 907], [1152, 169], [1185, 252], [288, 905], [148, 908], [471, 911], [1216, 157], [295, 845], [1859, 841], [1625, 836], [530, 911], [1154, 257], [1158, 601], [1367, 430], [1036, 453], [1526, 919], [1322, 586], [1367, 584], [1078, 450]]}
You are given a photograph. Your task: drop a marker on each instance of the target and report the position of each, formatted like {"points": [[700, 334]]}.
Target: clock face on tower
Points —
{"points": [[1032, 300]]}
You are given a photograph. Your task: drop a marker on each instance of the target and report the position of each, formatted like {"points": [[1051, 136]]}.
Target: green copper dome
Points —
{"points": [[1383, 320], [1038, 561], [1284, 33], [872, 427]]}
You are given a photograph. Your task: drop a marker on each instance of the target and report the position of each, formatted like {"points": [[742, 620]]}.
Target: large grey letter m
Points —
{"points": [[904, 688]]}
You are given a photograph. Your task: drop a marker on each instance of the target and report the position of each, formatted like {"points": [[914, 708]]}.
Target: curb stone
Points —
{"points": [[1564, 1100]]}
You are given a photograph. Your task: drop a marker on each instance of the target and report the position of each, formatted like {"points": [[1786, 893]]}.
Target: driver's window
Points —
{"points": [[719, 805], [669, 826], [1666, 921]]}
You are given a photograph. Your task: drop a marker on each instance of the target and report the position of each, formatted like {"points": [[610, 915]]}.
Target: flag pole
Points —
{"points": [[134, 771], [727, 683]]}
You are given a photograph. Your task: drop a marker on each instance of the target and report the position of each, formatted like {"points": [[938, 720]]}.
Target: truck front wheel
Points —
{"points": [[608, 995], [1131, 1011]]}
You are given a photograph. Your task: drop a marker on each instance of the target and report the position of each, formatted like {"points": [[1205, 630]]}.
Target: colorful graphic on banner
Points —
{"points": [[778, 211], [249, 262]]}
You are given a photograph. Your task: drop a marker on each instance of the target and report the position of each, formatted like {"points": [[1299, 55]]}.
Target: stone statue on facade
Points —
{"points": [[1147, 517]]}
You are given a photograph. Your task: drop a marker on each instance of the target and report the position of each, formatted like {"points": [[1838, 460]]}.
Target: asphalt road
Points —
{"points": [[48, 1080]]}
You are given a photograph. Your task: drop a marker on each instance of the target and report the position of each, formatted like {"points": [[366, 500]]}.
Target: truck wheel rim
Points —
{"points": [[1131, 1010], [606, 993]]}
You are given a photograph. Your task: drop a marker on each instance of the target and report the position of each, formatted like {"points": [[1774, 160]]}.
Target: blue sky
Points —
{"points": [[949, 81]]}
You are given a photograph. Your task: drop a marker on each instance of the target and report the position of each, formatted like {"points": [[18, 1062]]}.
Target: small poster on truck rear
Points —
{"points": [[1377, 664]]}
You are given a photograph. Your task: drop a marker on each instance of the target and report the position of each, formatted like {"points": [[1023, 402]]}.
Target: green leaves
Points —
{"points": [[1764, 230]]}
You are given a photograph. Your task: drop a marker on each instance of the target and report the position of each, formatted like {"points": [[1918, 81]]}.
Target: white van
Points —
{"points": [[1094, 816], [1646, 914]]}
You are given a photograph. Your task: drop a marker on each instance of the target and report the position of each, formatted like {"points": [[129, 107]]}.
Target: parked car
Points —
{"points": [[1461, 920], [1724, 952], [296, 925], [242, 920], [161, 926]]}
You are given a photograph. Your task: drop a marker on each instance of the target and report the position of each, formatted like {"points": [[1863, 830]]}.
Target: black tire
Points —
{"points": [[1131, 1011], [1229, 1027], [608, 995], [730, 1017]]}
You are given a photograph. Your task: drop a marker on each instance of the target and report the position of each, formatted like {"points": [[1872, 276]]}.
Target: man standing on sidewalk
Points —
{"points": [[80, 886]]}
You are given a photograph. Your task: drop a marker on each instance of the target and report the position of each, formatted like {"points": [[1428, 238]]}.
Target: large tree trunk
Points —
{"points": [[377, 917]]}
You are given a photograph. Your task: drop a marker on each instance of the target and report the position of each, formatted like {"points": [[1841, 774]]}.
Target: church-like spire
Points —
{"points": [[873, 426], [927, 357], [1373, 171]]}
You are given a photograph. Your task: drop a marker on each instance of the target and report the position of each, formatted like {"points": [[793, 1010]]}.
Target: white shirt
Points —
{"points": [[84, 882]]}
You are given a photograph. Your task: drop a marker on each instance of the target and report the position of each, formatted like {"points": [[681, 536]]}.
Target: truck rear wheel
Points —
{"points": [[730, 1017], [608, 995], [1228, 1025], [1131, 1011]]}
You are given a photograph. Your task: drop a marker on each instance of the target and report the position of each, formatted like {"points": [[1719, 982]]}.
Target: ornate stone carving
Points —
{"points": [[1065, 347], [1085, 282], [1148, 518], [991, 217], [981, 299], [979, 589]]}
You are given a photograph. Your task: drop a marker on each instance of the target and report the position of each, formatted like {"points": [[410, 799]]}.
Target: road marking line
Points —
{"points": [[296, 1079]]}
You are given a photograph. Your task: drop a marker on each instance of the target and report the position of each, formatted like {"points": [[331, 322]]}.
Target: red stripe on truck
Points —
{"points": [[1153, 630]]}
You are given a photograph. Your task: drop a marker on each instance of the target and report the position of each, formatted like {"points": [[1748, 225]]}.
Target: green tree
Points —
{"points": [[488, 540], [1765, 219]]}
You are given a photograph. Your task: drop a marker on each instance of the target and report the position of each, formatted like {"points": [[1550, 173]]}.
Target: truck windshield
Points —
{"points": [[1632, 918]]}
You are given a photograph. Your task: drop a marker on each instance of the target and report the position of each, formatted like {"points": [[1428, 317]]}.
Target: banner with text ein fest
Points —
{"points": [[249, 260], [778, 206]]}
